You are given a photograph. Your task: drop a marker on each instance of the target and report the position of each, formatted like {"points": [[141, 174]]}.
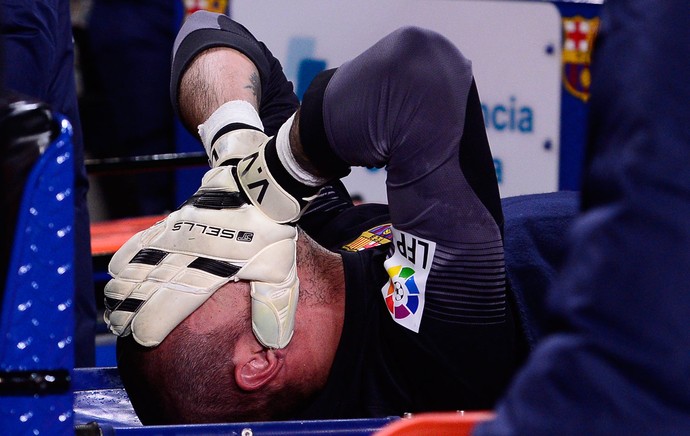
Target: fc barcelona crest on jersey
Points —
{"points": [[578, 39], [373, 237]]}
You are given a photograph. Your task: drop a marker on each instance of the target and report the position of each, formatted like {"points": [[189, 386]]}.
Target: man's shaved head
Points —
{"points": [[189, 377], [211, 367]]}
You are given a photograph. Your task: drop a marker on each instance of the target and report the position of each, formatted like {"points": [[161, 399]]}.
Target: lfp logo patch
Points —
{"points": [[408, 269], [402, 298]]}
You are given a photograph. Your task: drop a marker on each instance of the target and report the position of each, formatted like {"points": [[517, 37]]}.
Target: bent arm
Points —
{"points": [[421, 120], [410, 103], [204, 31]]}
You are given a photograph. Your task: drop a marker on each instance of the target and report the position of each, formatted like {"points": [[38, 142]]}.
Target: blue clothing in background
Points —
{"points": [[616, 359], [536, 229]]}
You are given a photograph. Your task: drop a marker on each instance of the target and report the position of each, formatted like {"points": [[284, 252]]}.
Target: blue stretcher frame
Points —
{"points": [[97, 389], [37, 329]]}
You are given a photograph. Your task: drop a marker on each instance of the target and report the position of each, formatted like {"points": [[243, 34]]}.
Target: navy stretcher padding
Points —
{"points": [[535, 233]]}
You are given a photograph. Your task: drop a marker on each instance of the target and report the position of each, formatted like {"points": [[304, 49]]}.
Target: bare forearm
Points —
{"points": [[216, 76]]}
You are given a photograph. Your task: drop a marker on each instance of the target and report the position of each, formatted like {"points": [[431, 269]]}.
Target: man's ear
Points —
{"points": [[257, 369]]}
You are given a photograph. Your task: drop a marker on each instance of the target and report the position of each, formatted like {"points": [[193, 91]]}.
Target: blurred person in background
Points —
{"points": [[615, 358], [125, 50]]}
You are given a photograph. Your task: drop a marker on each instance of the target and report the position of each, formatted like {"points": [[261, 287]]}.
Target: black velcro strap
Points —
{"points": [[216, 267], [283, 178], [149, 256], [216, 200]]}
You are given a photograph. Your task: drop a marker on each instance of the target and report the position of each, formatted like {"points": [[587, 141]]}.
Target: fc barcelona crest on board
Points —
{"points": [[219, 6], [578, 39]]}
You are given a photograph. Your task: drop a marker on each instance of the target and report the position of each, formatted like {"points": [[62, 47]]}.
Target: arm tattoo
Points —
{"points": [[255, 87]]}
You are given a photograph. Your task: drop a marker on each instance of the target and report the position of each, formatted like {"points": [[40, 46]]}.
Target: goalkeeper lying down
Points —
{"points": [[228, 311]]}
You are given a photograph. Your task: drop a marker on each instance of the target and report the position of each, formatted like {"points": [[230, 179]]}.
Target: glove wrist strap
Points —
{"points": [[271, 188], [231, 132]]}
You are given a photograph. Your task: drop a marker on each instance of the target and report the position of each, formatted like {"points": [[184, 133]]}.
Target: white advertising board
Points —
{"points": [[515, 48]]}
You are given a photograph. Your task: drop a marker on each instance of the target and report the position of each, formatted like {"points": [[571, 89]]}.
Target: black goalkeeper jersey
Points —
{"points": [[384, 369]]}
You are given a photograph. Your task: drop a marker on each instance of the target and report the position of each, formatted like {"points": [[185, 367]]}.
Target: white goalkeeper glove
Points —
{"points": [[162, 274]]}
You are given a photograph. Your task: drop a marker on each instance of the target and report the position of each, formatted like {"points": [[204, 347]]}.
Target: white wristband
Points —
{"points": [[288, 159], [235, 111]]}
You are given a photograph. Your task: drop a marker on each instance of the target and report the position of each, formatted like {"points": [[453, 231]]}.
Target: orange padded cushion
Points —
{"points": [[108, 236], [436, 424]]}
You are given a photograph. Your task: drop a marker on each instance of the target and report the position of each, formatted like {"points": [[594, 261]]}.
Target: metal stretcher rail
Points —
{"points": [[145, 163], [101, 407]]}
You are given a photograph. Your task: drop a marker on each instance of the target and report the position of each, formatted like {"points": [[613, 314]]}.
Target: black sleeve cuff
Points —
{"points": [[312, 132], [283, 178]]}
